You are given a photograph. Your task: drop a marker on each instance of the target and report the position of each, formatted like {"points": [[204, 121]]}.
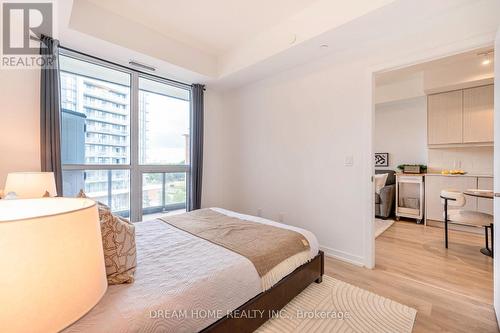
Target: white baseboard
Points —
{"points": [[344, 256]]}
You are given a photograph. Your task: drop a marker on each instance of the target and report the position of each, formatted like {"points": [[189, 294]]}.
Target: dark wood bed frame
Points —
{"points": [[272, 300]]}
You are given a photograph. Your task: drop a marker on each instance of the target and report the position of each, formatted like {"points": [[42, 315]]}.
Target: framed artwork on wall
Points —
{"points": [[381, 160]]}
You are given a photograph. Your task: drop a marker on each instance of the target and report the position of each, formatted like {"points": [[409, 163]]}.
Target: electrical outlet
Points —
{"points": [[259, 212]]}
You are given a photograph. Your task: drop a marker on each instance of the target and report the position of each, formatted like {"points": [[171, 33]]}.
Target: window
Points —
{"points": [[110, 187], [163, 192], [164, 115], [124, 135]]}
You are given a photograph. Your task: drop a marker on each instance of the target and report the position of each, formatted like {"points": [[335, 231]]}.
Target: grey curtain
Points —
{"points": [[50, 110], [196, 147]]}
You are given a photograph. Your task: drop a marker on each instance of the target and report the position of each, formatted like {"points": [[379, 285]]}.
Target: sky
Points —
{"points": [[168, 123]]}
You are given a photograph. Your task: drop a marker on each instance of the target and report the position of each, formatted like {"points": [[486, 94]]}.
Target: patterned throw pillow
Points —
{"points": [[118, 242]]}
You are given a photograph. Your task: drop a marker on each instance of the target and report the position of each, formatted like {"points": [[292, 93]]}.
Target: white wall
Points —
{"points": [[474, 160], [496, 268], [217, 160], [19, 121], [288, 141], [401, 131], [289, 135], [407, 87]]}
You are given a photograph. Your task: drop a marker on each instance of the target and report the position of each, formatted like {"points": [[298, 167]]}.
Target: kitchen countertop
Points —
{"points": [[435, 174], [466, 175]]}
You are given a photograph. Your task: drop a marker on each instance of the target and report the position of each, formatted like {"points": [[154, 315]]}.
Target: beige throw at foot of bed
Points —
{"points": [[265, 246]]}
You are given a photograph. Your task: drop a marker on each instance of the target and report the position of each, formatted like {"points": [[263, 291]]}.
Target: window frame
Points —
{"points": [[136, 169]]}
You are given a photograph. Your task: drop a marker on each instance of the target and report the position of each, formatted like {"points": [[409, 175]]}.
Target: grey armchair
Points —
{"points": [[384, 202]]}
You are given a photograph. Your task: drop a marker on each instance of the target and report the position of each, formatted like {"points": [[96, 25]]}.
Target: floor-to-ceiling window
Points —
{"points": [[125, 137]]}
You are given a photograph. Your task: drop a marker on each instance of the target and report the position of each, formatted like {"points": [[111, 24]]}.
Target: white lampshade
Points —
{"points": [[30, 185], [52, 263]]}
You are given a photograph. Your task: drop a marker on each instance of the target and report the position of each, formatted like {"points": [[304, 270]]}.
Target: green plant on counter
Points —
{"points": [[423, 167]]}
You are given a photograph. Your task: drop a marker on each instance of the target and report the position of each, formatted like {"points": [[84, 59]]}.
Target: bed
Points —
{"points": [[185, 283]]}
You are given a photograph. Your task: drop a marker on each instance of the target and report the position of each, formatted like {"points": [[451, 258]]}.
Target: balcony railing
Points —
{"points": [[155, 197], [110, 193]]}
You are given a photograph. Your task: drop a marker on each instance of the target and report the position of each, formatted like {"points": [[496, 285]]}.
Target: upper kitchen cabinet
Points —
{"points": [[445, 118], [478, 114], [461, 117]]}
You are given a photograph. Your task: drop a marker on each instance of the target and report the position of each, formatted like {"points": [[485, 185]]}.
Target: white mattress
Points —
{"points": [[183, 276]]}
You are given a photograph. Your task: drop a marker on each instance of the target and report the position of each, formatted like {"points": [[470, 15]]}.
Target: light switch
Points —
{"points": [[349, 161]]}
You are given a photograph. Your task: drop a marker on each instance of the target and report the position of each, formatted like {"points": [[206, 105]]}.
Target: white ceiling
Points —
{"points": [[457, 71], [232, 42], [215, 26], [215, 38], [471, 60]]}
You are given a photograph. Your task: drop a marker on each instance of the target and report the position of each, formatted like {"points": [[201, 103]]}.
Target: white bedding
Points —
{"points": [[180, 275]]}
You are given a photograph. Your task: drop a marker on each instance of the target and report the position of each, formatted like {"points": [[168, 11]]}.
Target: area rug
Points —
{"points": [[381, 226], [336, 306]]}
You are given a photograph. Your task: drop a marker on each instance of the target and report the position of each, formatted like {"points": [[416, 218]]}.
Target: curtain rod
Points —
{"points": [[126, 67]]}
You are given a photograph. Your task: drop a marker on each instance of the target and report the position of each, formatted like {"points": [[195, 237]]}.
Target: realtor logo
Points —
{"points": [[23, 25]]}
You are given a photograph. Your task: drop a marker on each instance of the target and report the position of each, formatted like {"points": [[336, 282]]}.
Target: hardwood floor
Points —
{"points": [[452, 289]]}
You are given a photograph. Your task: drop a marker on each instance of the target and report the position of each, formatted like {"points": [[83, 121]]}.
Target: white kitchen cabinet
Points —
{"points": [[478, 114], [485, 205], [461, 117], [445, 118], [434, 184]]}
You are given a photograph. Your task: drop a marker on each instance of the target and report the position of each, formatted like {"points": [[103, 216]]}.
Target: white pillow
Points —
{"points": [[380, 181]]}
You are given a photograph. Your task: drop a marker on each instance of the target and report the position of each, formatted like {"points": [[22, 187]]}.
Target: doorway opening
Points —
{"points": [[434, 132]]}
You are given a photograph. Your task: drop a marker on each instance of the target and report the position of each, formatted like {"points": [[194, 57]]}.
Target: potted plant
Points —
{"points": [[412, 168]]}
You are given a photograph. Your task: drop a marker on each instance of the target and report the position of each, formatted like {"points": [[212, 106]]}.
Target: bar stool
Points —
{"points": [[456, 199]]}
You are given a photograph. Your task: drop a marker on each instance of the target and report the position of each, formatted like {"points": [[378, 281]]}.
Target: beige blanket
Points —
{"points": [[264, 245]]}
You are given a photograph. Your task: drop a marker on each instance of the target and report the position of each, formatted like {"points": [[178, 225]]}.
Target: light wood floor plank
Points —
{"points": [[452, 289]]}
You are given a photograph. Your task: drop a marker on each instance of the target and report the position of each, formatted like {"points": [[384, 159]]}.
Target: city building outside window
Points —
{"points": [[125, 137]]}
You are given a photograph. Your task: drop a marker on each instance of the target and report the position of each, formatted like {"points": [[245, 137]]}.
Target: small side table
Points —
{"points": [[414, 184]]}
